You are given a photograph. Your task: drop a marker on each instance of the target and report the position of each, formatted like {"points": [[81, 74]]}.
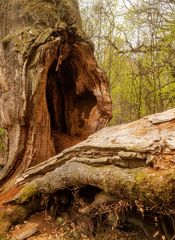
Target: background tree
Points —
{"points": [[139, 35]]}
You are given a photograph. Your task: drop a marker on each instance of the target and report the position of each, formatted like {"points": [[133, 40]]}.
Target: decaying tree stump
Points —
{"points": [[53, 96], [52, 93]]}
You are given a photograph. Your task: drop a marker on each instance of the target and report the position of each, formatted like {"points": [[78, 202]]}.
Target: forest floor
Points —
{"points": [[44, 227]]}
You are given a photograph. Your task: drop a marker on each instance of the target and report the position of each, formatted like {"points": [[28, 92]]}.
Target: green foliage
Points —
{"points": [[136, 47]]}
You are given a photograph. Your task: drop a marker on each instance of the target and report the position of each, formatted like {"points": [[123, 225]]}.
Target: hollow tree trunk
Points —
{"points": [[52, 93]]}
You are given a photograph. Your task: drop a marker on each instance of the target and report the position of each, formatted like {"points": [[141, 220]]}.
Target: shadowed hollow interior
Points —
{"points": [[69, 112]]}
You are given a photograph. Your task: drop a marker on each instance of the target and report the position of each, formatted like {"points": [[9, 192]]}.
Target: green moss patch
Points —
{"points": [[25, 39], [27, 193], [155, 188], [3, 134]]}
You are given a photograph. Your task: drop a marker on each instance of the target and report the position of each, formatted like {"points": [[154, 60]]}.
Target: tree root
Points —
{"points": [[99, 210]]}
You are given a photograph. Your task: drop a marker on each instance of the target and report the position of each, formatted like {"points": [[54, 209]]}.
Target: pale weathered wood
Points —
{"points": [[134, 160], [137, 144]]}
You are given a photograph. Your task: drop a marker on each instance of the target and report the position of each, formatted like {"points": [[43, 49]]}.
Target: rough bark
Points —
{"points": [[51, 90]]}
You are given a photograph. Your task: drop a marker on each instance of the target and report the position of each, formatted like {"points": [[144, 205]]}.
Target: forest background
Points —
{"points": [[135, 44]]}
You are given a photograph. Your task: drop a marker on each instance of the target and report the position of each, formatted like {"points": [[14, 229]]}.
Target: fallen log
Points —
{"points": [[137, 157], [132, 162]]}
